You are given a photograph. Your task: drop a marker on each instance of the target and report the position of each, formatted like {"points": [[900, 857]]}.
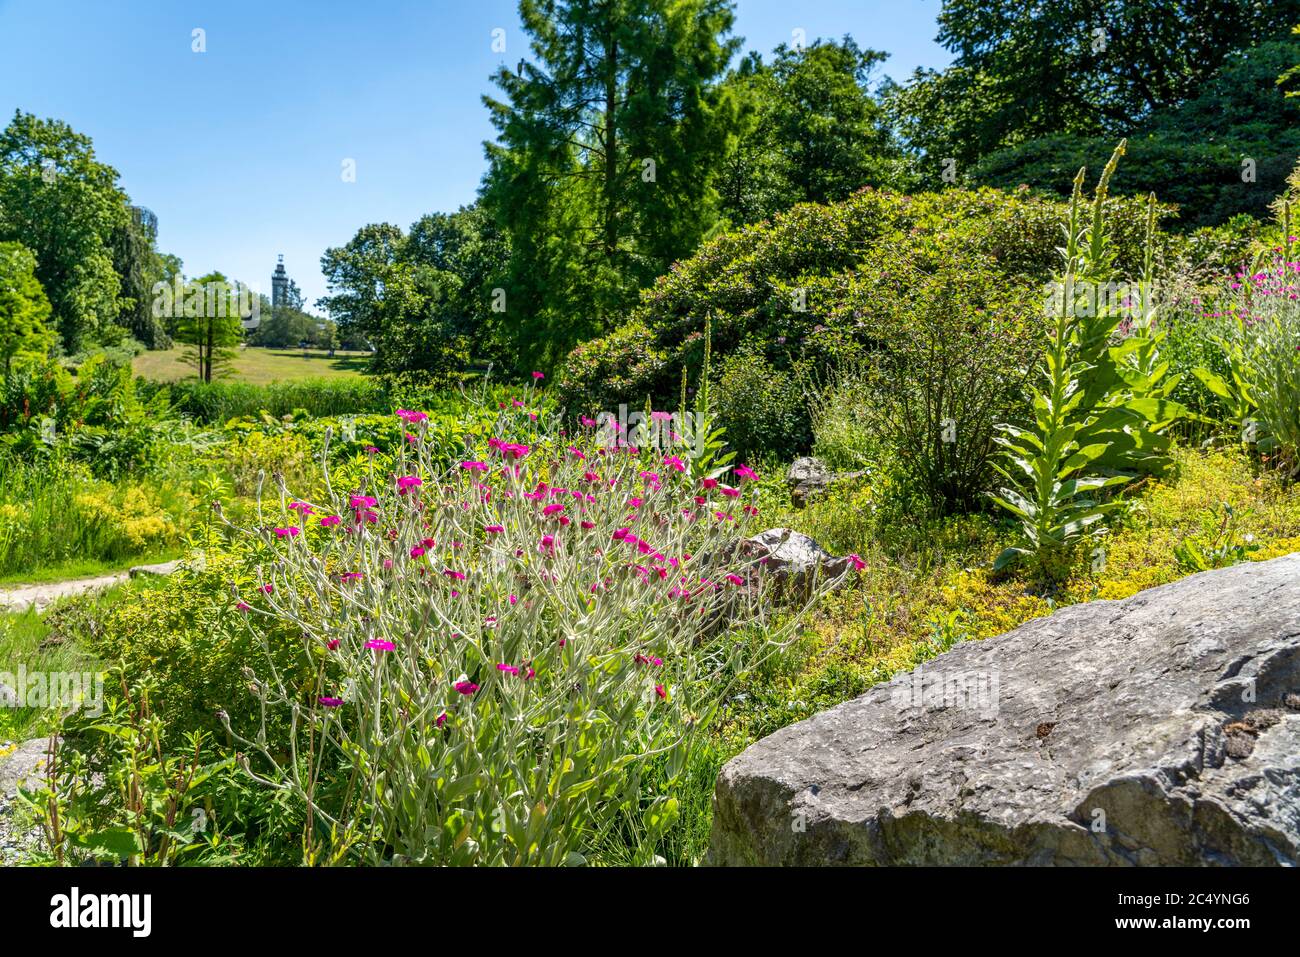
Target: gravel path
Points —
{"points": [[22, 597], [17, 763]]}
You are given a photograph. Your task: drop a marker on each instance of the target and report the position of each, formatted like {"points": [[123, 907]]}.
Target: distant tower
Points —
{"points": [[279, 284]]}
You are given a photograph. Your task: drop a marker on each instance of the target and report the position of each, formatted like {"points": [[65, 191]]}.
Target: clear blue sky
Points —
{"points": [[239, 150]]}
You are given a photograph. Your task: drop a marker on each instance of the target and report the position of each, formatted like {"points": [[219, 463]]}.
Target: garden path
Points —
{"points": [[21, 597]]}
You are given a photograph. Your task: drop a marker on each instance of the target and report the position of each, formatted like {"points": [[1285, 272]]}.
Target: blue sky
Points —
{"points": [[240, 150]]}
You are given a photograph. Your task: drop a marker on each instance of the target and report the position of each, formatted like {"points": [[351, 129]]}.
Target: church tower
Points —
{"points": [[279, 285]]}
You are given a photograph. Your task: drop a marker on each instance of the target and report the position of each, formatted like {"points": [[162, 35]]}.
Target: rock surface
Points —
{"points": [[20, 765], [808, 477], [794, 559], [1163, 729]]}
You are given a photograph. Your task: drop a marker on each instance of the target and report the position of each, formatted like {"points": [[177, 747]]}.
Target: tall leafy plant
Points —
{"points": [[1100, 410]]}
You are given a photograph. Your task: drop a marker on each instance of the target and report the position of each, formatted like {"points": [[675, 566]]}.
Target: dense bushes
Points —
{"points": [[819, 280]]}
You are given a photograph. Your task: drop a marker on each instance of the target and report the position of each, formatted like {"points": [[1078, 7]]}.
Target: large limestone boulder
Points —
{"points": [[1159, 730]]}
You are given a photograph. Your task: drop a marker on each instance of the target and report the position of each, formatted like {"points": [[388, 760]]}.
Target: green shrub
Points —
{"points": [[809, 283], [761, 407]]}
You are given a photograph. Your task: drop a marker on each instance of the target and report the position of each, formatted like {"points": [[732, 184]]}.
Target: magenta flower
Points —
{"points": [[674, 463], [371, 450], [268, 588], [745, 473], [547, 543], [735, 579], [417, 551], [495, 529], [330, 702], [291, 532], [508, 669], [552, 509], [538, 375], [244, 606], [452, 573], [857, 563], [332, 644], [709, 483], [362, 501], [302, 507], [379, 644], [730, 492], [441, 719], [659, 690], [329, 520], [465, 687], [475, 466], [412, 417], [588, 422], [408, 482]]}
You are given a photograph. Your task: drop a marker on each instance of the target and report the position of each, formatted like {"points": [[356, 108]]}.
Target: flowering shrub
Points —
{"points": [[1259, 333], [500, 647]]}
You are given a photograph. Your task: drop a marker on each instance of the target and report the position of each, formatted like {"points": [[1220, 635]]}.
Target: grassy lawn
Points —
{"points": [[257, 365]]}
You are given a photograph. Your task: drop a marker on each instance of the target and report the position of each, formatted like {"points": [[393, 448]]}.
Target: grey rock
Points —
{"points": [[794, 559], [1158, 730], [162, 568], [808, 478], [23, 766]]}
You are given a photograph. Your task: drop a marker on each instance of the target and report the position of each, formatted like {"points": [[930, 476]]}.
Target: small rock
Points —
{"points": [[795, 560]]}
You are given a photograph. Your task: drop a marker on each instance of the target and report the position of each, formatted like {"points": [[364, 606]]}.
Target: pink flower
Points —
{"points": [[475, 466], [268, 588], [244, 606], [547, 543], [857, 563], [552, 509], [508, 669], [371, 450], [362, 501], [332, 644], [441, 719], [452, 573], [735, 579], [495, 529], [659, 690], [407, 482], [709, 483], [513, 600], [745, 473], [352, 576], [379, 644], [538, 375], [587, 525], [300, 507], [412, 417], [621, 534], [588, 422], [730, 492], [577, 454], [674, 463], [465, 687], [291, 532], [330, 520], [417, 551], [330, 702]]}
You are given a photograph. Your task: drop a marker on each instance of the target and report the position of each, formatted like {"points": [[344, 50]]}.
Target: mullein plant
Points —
{"points": [[1100, 412], [500, 649]]}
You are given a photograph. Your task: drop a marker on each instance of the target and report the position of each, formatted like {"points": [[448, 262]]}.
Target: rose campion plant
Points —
{"points": [[500, 647]]}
